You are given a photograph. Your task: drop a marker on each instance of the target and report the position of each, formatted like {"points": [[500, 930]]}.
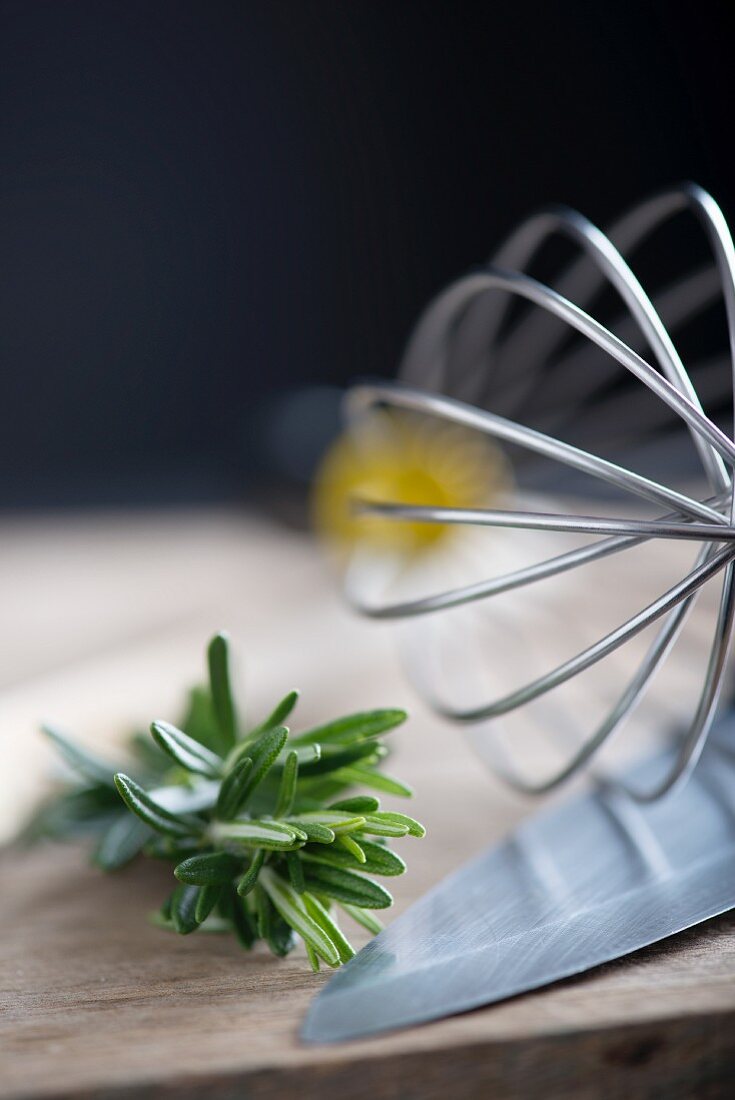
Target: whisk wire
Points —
{"points": [[480, 302]]}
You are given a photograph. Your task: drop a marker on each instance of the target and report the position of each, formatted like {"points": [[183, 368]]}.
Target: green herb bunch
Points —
{"points": [[265, 838]]}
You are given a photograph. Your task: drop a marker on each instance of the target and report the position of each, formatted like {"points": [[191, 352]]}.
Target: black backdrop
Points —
{"points": [[203, 204]]}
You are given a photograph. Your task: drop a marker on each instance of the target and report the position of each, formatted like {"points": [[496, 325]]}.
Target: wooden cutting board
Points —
{"points": [[97, 1003]]}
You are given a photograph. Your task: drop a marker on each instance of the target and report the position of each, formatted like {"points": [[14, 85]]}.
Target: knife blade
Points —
{"points": [[575, 886]]}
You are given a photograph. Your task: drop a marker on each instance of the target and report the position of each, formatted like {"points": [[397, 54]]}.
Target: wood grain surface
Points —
{"points": [[95, 1002]]}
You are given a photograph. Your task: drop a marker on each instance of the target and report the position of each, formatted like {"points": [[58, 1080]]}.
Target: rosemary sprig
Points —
{"points": [[265, 839]]}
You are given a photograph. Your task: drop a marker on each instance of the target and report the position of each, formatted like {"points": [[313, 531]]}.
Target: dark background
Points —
{"points": [[204, 204]]}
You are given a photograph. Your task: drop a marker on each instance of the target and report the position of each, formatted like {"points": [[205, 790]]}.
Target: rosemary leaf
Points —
{"points": [[244, 923], [413, 827], [186, 751], [183, 909], [208, 869], [346, 886], [151, 812], [378, 781], [334, 757], [233, 792], [281, 937], [352, 847], [79, 759], [295, 870], [218, 659], [378, 825], [324, 919], [263, 752], [335, 820], [120, 843], [313, 958], [360, 804], [278, 715], [208, 898], [287, 789], [290, 906], [199, 720], [379, 860], [364, 917], [255, 834], [248, 880], [353, 726], [263, 912], [305, 754], [318, 834]]}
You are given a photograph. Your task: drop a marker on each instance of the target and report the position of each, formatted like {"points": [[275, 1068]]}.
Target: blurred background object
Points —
{"points": [[214, 215], [390, 455]]}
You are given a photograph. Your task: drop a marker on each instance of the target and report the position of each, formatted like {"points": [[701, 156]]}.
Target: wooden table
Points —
{"points": [[105, 621]]}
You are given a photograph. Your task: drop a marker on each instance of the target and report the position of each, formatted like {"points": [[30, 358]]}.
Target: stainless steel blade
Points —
{"points": [[575, 886]]}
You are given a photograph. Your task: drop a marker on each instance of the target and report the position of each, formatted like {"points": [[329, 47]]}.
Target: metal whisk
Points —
{"points": [[473, 361]]}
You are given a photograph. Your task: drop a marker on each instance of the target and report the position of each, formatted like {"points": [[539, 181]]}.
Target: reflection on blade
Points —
{"points": [[577, 885]]}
